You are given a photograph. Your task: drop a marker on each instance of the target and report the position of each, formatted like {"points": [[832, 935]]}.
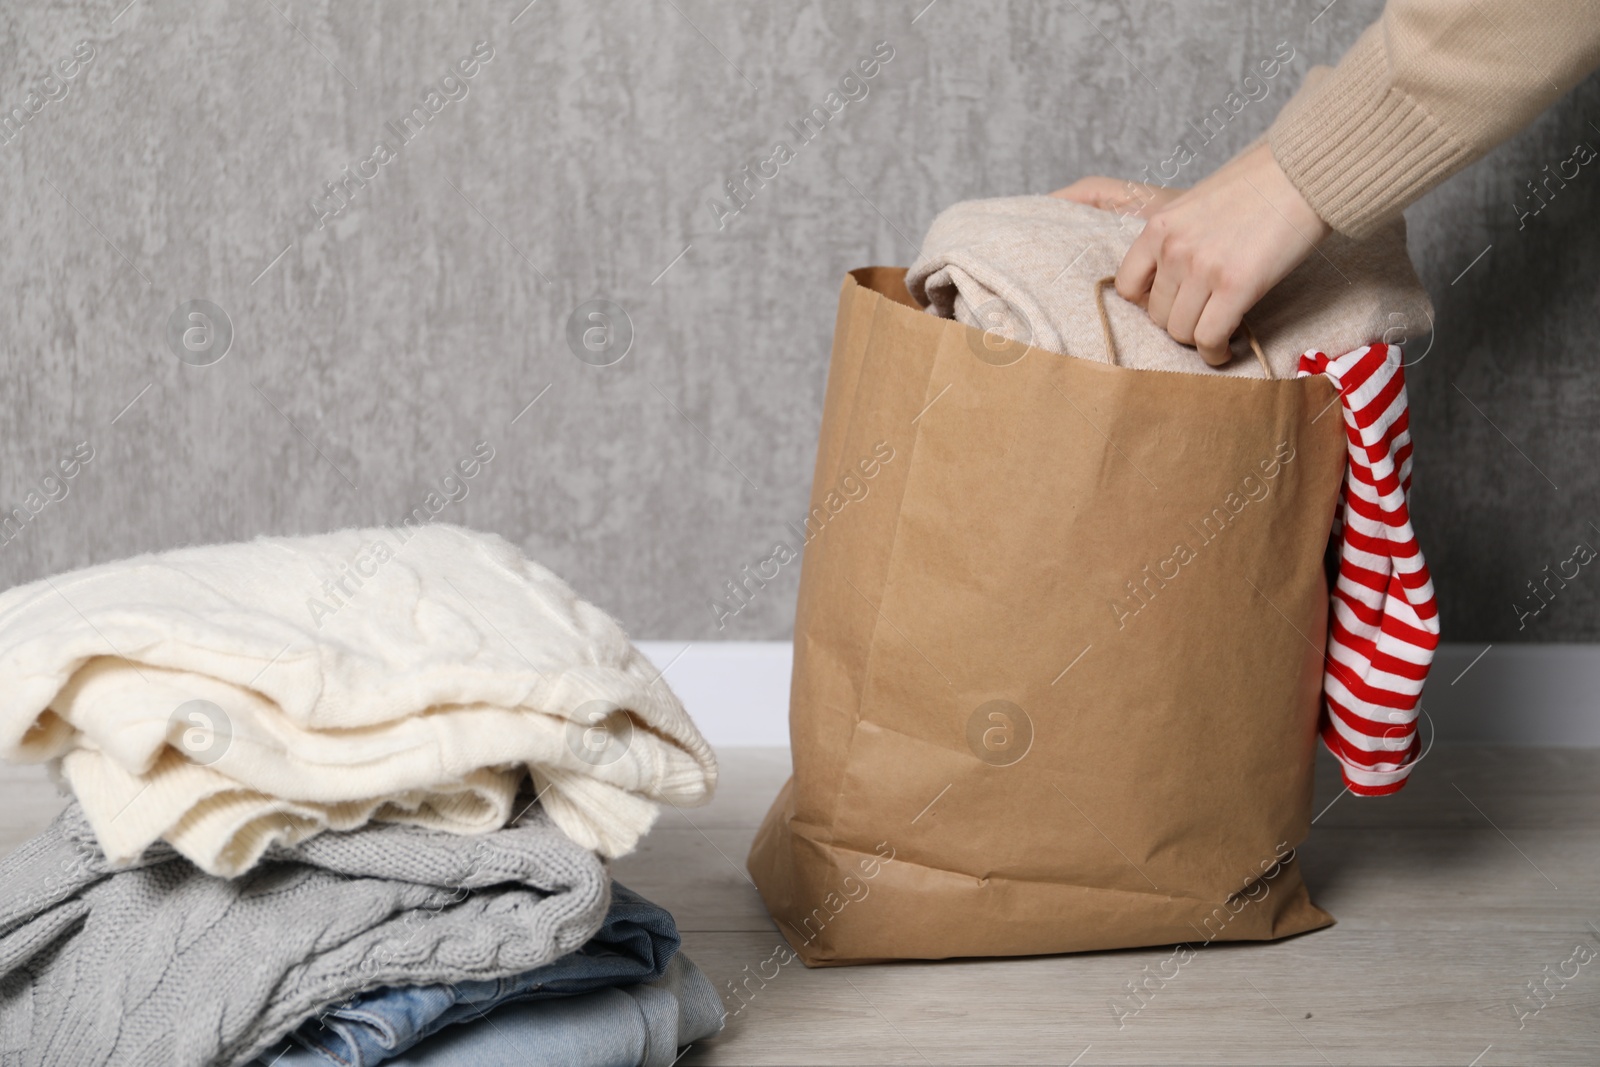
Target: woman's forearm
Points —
{"points": [[1429, 88]]}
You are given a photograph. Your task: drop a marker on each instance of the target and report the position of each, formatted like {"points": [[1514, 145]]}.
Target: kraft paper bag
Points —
{"points": [[1058, 652]]}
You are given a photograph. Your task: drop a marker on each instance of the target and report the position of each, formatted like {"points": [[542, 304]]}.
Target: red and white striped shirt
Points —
{"points": [[1383, 625]]}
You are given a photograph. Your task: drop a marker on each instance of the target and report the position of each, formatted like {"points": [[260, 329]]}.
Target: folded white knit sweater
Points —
{"points": [[225, 697]]}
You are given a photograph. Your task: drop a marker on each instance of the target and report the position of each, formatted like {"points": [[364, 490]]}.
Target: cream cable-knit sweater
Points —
{"points": [[1430, 87], [225, 697]]}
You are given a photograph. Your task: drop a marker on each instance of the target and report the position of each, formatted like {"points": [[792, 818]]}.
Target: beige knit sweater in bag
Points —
{"points": [[1025, 267]]}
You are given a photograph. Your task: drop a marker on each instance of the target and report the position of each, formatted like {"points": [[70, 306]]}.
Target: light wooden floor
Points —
{"points": [[1450, 897]]}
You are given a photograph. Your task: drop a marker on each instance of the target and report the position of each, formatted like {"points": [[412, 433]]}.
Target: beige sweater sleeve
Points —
{"points": [[1429, 88]]}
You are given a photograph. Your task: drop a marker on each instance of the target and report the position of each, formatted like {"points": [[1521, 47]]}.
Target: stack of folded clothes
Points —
{"points": [[339, 799]]}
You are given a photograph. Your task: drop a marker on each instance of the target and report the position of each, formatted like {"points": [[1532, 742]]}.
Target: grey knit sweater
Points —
{"points": [[163, 964]]}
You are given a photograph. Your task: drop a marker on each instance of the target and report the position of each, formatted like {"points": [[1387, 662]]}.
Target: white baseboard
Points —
{"points": [[738, 691], [1516, 694]]}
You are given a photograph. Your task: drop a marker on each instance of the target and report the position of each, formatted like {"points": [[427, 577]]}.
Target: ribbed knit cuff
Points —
{"points": [[1358, 149]]}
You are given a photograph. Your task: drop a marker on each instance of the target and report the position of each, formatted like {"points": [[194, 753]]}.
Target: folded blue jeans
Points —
{"points": [[634, 945], [627, 1026]]}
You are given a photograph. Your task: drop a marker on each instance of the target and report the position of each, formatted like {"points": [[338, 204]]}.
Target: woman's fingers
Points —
{"points": [[1163, 293], [1186, 308], [1202, 310], [1223, 313], [1138, 269]]}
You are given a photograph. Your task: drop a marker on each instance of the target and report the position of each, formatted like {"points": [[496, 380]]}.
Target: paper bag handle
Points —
{"points": [[1111, 346]]}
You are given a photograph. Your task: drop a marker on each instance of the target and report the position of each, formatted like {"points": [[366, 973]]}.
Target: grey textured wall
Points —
{"points": [[372, 352]]}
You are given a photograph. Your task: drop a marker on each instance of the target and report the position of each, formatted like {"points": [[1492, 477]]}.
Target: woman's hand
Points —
{"points": [[1207, 254]]}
